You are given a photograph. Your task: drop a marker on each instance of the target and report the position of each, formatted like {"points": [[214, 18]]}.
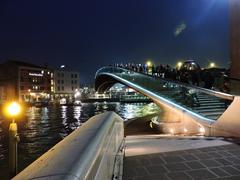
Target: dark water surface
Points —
{"points": [[42, 128]]}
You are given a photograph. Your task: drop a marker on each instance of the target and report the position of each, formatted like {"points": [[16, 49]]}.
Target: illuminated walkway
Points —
{"points": [[154, 157]]}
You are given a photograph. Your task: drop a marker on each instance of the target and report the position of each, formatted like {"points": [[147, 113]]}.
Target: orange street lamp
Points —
{"points": [[13, 110]]}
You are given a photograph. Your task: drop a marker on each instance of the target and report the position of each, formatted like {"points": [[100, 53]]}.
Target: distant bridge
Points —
{"points": [[186, 108]]}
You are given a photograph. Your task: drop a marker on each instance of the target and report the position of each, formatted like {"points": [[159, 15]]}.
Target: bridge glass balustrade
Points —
{"points": [[207, 103]]}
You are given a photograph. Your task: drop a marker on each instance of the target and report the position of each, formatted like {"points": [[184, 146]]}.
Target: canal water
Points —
{"points": [[42, 128]]}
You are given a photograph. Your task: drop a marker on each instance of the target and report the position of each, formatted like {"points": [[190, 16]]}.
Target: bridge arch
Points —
{"points": [[104, 82]]}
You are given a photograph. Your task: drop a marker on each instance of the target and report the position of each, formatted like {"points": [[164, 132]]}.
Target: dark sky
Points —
{"points": [[88, 34]]}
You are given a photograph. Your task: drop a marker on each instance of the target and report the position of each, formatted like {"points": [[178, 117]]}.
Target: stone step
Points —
{"points": [[212, 103], [208, 100], [213, 117], [213, 110], [209, 106], [211, 113]]}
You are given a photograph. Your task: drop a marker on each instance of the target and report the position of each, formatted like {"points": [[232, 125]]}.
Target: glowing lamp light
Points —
{"points": [[14, 109], [172, 131], [212, 65], [185, 130], [201, 130], [179, 65], [149, 63]]}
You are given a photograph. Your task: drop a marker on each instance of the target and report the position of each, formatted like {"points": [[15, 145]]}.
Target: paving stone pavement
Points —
{"points": [[217, 162]]}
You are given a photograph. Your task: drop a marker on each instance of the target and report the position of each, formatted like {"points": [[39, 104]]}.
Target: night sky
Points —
{"points": [[88, 34]]}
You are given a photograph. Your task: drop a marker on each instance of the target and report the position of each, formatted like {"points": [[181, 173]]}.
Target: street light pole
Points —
{"points": [[13, 141], [13, 110]]}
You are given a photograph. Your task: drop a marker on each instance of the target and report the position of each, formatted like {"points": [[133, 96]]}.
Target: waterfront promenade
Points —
{"points": [[163, 157]]}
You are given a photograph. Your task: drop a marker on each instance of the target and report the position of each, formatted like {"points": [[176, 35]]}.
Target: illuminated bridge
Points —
{"points": [[186, 108]]}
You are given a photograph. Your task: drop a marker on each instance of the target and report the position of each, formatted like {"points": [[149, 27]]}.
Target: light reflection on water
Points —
{"points": [[41, 128], [129, 111]]}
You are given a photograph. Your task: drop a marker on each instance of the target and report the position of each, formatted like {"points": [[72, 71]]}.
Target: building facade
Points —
{"points": [[25, 82], [235, 46], [66, 84], [235, 38]]}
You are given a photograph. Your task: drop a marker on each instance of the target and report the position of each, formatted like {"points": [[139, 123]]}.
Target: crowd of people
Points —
{"points": [[198, 77], [159, 70], [215, 80]]}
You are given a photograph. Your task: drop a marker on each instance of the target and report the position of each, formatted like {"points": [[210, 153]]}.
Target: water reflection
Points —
{"points": [[129, 111], [41, 128], [77, 112], [64, 112]]}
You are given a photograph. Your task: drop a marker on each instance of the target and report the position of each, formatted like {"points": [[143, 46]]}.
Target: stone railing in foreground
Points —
{"points": [[93, 151]]}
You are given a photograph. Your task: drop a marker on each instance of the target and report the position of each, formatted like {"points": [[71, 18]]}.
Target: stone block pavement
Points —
{"points": [[181, 158]]}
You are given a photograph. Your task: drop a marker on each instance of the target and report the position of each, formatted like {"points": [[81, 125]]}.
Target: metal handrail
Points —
{"points": [[83, 154], [200, 89], [157, 98]]}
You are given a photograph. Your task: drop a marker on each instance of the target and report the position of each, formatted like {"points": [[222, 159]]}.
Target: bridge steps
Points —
{"points": [[208, 106]]}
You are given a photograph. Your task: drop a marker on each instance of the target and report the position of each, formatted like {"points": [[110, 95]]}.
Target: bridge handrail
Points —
{"points": [[200, 89], [88, 153]]}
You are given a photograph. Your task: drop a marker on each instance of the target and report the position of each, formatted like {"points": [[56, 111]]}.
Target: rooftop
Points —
{"points": [[22, 63]]}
